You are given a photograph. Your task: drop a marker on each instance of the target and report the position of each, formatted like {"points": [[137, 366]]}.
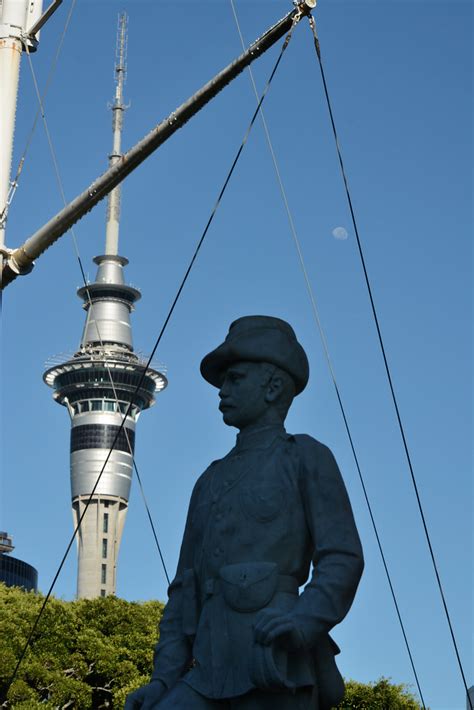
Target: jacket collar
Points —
{"points": [[260, 438]]}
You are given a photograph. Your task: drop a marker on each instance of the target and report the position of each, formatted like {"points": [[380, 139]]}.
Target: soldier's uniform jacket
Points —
{"points": [[257, 520]]}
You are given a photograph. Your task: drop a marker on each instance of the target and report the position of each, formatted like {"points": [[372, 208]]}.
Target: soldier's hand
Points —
{"points": [[147, 697], [272, 626]]}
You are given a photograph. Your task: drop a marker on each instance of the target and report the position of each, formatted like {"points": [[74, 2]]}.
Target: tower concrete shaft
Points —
{"points": [[101, 385], [104, 384]]}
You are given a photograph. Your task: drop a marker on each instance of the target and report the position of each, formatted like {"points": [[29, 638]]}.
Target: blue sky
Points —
{"points": [[399, 74]]}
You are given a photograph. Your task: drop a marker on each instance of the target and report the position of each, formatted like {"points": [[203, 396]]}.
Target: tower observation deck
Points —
{"points": [[98, 385]]}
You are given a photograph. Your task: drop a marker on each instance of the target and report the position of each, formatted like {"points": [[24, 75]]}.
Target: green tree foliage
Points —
{"points": [[91, 653], [381, 695], [86, 654]]}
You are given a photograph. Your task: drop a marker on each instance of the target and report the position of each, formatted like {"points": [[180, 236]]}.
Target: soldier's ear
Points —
{"points": [[274, 388]]}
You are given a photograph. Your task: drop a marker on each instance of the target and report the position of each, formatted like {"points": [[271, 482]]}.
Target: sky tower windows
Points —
{"points": [[102, 436], [104, 548], [107, 404]]}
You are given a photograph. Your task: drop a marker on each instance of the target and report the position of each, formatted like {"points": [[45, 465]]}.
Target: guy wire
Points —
{"points": [[327, 356], [384, 356], [157, 342]]}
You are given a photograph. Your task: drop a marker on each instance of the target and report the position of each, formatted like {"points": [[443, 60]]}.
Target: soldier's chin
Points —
{"points": [[230, 418]]}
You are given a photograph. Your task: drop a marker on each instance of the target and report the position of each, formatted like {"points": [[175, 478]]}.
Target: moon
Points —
{"points": [[340, 233]]}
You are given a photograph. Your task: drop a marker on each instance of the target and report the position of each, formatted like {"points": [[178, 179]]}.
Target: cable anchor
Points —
{"points": [[312, 24]]}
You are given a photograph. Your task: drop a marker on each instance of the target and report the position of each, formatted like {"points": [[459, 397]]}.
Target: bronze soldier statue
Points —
{"points": [[236, 634]]}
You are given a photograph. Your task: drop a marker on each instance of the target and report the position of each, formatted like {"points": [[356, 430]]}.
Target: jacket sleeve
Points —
{"points": [[173, 652], [337, 551]]}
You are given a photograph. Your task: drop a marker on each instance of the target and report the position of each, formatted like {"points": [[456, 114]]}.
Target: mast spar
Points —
{"points": [[21, 260]]}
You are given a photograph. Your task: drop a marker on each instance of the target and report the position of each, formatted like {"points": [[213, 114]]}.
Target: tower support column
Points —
{"points": [[98, 544]]}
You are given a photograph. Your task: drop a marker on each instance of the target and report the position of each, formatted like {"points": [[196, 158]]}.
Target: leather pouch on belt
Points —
{"points": [[248, 586]]}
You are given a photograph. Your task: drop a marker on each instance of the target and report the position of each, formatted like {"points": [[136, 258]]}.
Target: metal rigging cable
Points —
{"points": [[384, 355], [328, 359], [296, 19]]}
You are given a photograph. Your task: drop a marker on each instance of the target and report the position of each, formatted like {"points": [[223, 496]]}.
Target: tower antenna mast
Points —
{"points": [[118, 108]]}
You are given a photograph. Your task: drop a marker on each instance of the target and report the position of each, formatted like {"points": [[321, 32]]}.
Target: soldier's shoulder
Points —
{"points": [[308, 444], [206, 474], [313, 454]]}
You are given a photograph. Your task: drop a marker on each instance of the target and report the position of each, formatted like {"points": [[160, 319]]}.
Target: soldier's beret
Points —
{"points": [[258, 339]]}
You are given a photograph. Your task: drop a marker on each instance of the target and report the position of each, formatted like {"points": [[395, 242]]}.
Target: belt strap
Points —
{"points": [[285, 583]]}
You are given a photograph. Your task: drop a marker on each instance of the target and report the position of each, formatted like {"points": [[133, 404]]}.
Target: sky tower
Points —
{"points": [[97, 386]]}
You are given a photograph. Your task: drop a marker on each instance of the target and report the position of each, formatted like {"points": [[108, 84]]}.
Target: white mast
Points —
{"points": [[16, 17], [20, 22], [118, 107]]}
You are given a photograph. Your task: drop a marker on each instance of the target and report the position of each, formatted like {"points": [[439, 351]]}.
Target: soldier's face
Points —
{"points": [[243, 394]]}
